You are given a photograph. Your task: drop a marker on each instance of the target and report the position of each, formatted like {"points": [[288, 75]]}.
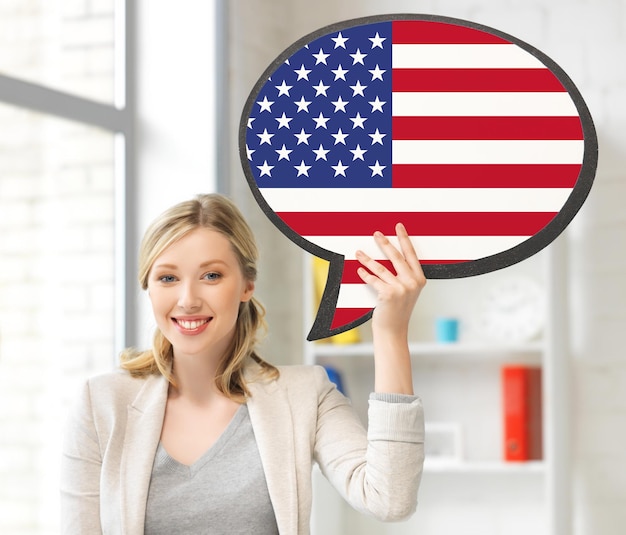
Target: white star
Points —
{"points": [[358, 153], [283, 121], [283, 153], [283, 89], [340, 104], [249, 152], [320, 154], [340, 137], [303, 169], [377, 73], [377, 41], [340, 72], [358, 89], [265, 169], [302, 105], [377, 105], [265, 137], [320, 57], [340, 169], [320, 89], [320, 122], [377, 137], [377, 169], [265, 104], [357, 122], [303, 137], [250, 121], [357, 57], [302, 73], [340, 41]]}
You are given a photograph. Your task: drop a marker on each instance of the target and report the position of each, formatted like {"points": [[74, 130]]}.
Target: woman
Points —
{"points": [[201, 435]]}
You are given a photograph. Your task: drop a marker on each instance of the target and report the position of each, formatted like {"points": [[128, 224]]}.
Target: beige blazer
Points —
{"points": [[113, 433]]}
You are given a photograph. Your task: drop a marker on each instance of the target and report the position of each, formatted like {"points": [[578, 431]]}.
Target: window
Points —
{"points": [[63, 44], [65, 155]]}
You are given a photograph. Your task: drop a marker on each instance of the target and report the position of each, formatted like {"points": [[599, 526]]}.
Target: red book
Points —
{"points": [[521, 397]]}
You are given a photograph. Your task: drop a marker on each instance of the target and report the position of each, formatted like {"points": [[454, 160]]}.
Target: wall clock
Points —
{"points": [[513, 310]]}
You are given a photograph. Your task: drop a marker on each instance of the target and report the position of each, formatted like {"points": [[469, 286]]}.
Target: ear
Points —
{"points": [[248, 291]]}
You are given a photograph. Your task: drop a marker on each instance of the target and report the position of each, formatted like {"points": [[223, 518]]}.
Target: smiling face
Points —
{"points": [[196, 286]]}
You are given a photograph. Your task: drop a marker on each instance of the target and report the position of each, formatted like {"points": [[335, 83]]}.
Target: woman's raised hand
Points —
{"points": [[396, 297]]}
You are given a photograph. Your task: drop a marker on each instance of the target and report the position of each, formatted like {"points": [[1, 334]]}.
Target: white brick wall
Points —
{"points": [[56, 248], [56, 324], [66, 44]]}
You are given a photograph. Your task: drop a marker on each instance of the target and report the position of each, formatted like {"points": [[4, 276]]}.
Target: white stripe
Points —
{"points": [[452, 56], [356, 296], [436, 104], [427, 247], [416, 199], [487, 151]]}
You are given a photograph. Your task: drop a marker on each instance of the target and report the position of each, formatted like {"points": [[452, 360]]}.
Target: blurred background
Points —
{"points": [[112, 110]]}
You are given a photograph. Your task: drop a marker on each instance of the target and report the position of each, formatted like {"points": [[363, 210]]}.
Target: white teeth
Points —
{"points": [[191, 325]]}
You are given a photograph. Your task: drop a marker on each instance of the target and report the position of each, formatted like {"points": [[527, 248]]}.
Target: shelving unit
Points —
{"points": [[459, 384]]}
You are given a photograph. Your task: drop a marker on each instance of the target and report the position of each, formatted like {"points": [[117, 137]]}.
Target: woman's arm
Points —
{"points": [[377, 471], [396, 298], [380, 472]]}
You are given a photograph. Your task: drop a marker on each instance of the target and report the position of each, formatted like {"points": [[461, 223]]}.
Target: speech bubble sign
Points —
{"points": [[479, 143]]}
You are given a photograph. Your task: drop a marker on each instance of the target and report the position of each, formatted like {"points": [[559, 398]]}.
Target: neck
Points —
{"points": [[195, 379]]}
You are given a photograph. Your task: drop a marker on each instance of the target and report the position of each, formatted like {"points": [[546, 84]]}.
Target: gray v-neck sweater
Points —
{"points": [[223, 492]]}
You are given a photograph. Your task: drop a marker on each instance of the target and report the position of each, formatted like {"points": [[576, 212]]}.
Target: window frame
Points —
{"points": [[117, 118]]}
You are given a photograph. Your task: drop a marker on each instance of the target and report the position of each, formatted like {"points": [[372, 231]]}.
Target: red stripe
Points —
{"points": [[344, 316], [473, 80], [485, 176], [431, 32], [350, 276], [417, 223], [486, 128]]}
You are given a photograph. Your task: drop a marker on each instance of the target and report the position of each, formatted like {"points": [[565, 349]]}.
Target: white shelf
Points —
{"points": [[483, 467], [431, 348]]}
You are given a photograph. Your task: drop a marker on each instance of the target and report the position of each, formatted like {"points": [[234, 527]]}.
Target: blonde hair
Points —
{"points": [[215, 212]]}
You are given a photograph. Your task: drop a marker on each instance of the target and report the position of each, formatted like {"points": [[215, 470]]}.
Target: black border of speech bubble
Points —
{"points": [[534, 244]]}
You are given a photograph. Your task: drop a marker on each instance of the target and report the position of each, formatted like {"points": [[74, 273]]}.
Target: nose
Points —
{"points": [[189, 297]]}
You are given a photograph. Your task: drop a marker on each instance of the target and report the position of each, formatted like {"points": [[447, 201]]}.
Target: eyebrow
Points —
{"points": [[202, 266]]}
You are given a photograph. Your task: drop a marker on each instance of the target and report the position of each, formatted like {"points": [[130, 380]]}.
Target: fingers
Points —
{"points": [[401, 288], [408, 251], [404, 259], [375, 271]]}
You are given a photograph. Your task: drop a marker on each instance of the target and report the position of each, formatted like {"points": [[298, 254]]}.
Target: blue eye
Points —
{"points": [[167, 278], [212, 276]]}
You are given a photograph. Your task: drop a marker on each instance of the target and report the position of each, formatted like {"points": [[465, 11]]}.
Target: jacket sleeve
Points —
{"points": [[377, 471], [80, 471]]}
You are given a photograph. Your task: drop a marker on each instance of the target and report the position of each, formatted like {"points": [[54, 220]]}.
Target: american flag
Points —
{"points": [[464, 136]]}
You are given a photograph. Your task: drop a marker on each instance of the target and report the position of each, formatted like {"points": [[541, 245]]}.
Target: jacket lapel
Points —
{"points": [[273, 428], [143, 431]]}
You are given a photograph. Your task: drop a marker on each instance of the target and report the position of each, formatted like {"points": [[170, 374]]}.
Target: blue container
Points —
{"points": [[335, 377], [447, 330]]}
